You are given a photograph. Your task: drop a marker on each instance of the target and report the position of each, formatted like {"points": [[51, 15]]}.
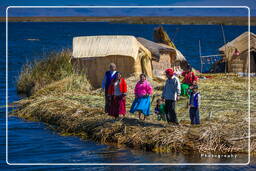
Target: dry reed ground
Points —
{"points": [[73, 108]]}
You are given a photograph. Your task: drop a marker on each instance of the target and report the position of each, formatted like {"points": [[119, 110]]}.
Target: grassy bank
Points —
{"points": [[72, 107]]}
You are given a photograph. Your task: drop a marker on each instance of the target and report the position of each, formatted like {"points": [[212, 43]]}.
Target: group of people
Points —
{"points": [[115, 88]]}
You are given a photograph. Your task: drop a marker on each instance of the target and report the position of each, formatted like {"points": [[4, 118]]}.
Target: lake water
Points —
{"points": [[33, 142]]}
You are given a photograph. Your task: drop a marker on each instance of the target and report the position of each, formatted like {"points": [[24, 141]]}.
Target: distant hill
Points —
{"points": [[141, 20]]}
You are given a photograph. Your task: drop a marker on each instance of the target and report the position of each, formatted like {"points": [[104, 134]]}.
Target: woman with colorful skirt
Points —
{"points": [[142, 92], [117, 92]]}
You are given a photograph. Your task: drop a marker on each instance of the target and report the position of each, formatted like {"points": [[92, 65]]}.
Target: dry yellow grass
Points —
{"points": [[37, 74], [67, 102], [73, 108]]}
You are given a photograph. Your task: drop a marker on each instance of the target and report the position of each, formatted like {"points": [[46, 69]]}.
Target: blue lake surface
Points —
{"points": [[33, 142]]}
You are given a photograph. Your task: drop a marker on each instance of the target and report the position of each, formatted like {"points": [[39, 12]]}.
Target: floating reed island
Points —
{"points": [[182, 20], [67, 103]]}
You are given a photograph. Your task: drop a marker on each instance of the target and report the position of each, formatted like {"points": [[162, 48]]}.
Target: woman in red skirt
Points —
{"points": [[117, 92]]}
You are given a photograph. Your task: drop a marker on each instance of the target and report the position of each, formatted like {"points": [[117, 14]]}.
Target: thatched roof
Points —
{"points": [[179, 56], [241, 43], [161, 36], [101, 46], [155, 48]]}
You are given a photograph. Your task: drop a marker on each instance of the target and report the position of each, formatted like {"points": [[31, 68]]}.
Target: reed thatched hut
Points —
{"points": [[92, 55], [237, 53], [161, 36], [163, 56]]}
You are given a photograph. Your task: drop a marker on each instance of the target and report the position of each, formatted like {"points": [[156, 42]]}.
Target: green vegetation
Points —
{"points": [[67, 102]]}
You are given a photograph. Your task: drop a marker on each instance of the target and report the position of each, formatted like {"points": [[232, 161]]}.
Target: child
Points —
{"points": [[194, 104], [190, 89], [160, 110]]}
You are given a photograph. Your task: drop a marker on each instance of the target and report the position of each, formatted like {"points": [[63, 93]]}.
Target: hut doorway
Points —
{"points": [[253, 61]]}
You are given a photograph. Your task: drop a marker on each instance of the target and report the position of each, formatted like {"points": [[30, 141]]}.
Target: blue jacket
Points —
{"points": [[194, 99], [108, 77]]}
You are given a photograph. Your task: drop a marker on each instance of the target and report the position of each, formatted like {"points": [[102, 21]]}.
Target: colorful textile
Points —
{"points": [[108, 77], [143, 88], [171, 89], [141, 104], [184, 89], [189, 78], [122, 87], [160, 111], [117, 106]]}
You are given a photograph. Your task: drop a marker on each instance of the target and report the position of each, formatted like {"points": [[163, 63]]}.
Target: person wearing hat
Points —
{"points": [[108, 77], [170, 95], [194, 103]]}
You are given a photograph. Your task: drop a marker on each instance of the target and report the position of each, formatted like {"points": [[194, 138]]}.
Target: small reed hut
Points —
{"points": [[161, 36], [237, 53], [163, 56], [93, 54]]}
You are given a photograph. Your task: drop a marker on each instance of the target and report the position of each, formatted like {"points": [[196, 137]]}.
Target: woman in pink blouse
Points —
{"points": [[142, 92]]}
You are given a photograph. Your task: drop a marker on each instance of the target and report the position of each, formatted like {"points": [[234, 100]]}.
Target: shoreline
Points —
{"points": [[75, 113], [238, 21], [131, 132], [66, 100]]}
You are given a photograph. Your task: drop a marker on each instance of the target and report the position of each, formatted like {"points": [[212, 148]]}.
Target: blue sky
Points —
{"points": [[127, 12]]}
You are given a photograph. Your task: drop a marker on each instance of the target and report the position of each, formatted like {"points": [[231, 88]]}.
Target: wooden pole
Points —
{"points": [[200, 56], [224, 39]]}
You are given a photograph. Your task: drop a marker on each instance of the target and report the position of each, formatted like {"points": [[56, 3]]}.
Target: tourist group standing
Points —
{"points": [[115, 88]]}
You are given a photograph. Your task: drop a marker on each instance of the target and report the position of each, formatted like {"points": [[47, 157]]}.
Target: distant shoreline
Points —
{"points": [[142, 20]]}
